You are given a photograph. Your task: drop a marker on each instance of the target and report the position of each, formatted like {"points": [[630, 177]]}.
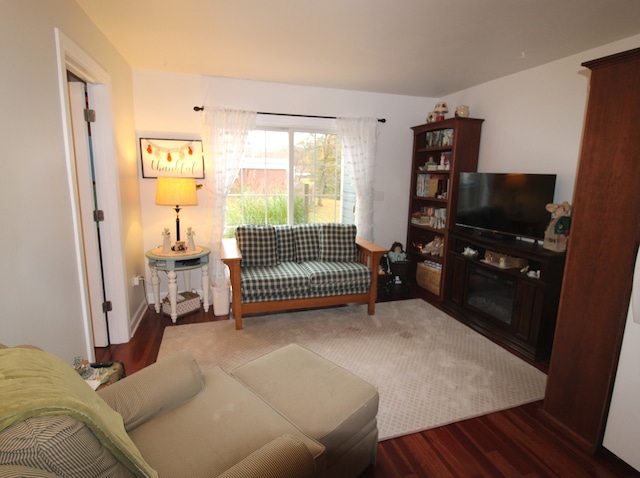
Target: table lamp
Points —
{"points": [[176, 192]]}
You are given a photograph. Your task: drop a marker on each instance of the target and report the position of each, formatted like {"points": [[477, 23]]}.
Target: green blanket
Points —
{"points": [[35, 383]]}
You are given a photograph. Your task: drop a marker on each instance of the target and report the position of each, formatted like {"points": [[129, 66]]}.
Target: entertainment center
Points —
{"points": [[513, 301], [477, 239]]}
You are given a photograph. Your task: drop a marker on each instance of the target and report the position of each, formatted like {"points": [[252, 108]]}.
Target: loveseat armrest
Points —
{"points": [[155, 389], [370, 255], [231, 256], [283, 457]]}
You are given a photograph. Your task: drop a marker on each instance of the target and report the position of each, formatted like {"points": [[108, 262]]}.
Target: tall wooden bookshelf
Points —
{"points": [[441, 151]]}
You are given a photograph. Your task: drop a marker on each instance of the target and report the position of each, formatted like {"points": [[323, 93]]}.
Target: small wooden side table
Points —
{"points": [[173, 262]]}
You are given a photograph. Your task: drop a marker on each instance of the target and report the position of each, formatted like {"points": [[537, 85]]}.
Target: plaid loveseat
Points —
{"points": [[309, 265]]}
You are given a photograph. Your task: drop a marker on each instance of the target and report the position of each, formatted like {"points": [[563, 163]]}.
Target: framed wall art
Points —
{"points": [[177, 158]]}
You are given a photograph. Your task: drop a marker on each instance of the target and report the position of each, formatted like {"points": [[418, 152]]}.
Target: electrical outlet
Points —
{"points": [[137, 279]]}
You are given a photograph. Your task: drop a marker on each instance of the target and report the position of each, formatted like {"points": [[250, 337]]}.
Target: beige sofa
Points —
{"points": [[277, 416]]}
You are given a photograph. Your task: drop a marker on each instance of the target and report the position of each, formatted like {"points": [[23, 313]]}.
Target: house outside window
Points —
{"points": [[290, 176]]}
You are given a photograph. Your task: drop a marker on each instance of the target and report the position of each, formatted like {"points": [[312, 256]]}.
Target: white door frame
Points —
{"points": [[74, 59]]}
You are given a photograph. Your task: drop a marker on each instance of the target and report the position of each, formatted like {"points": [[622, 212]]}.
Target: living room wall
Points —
{"points": [[164, 108], [40, 287], [533, 119], [533, 123]]}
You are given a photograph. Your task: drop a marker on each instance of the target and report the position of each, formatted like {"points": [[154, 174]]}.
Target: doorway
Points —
{"points": [[90, 213], [72, 58]]}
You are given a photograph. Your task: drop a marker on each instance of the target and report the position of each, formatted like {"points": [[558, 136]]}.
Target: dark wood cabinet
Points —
{"points": [[441, 151], [603, 243], [504, 303]]}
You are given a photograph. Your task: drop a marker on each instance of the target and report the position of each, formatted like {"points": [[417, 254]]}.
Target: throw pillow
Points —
{"points": [[257, 244], [337, 243], [306, 236], [286, 243]]}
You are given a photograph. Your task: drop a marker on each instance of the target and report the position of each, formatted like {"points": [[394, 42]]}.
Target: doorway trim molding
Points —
{"points": [[72, 58]]}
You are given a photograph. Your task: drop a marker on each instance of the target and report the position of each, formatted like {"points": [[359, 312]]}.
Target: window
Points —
{"points": [[290, 177]]}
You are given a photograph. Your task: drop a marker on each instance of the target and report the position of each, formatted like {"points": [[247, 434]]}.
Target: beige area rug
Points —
{"points": [[430, 369]]}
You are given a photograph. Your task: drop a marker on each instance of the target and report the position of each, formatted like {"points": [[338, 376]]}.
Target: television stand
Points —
{"points": [[509, 291], [496, 236]]}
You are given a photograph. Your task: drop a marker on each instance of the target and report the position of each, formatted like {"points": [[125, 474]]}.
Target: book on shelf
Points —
{"points": [[431, 185], [439, 139], [434, 217]]}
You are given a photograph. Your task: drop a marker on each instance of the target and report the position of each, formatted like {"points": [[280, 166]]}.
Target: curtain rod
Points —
{"points": [[380, 120]]}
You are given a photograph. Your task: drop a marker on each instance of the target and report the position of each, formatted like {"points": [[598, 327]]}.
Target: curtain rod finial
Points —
{"points": [[198, 108]]}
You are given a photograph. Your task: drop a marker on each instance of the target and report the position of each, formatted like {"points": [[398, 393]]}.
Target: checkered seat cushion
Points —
{"points": [[288, 280], [336, 278]]}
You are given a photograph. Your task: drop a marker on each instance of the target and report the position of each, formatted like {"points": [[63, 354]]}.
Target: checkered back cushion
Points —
{"points": [[337, 243], [286, 243], [257, 244], [306, 236]]}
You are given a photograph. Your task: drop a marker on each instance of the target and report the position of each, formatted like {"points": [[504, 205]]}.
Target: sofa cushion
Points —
{"points": [[337, 277], [286, 280], [258, 245], [295, 380], [61, 445], [337, 243], [219, 427], [154, 394], [286, 243], [306, 236]]}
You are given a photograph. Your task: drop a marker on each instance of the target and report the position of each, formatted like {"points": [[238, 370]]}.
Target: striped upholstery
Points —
{"points": [[37, 442], [284, 456], [337, 243]]}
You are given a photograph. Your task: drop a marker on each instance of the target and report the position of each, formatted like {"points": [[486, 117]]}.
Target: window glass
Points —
{"points": [[290, 177]]}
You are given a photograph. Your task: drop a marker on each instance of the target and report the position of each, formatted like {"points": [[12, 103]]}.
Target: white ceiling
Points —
{"points": [[410, 47]]}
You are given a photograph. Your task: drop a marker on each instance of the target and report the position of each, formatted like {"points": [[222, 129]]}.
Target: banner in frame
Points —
{"points": [[175, 158]]}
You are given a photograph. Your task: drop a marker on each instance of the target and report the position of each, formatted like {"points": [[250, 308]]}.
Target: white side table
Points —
{"points": [[173, 262]]}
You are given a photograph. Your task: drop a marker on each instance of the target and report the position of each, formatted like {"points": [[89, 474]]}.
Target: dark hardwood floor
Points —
{"points": [[512, 443]]}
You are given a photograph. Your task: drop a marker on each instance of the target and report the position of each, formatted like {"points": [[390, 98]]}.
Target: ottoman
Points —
{"points": [[325, 401]]}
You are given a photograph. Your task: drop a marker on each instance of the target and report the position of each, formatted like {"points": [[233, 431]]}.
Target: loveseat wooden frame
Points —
{"points": [[369, 254]]}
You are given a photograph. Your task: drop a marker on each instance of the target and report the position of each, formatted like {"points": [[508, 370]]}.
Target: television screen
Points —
{"points": [[505, 204]]}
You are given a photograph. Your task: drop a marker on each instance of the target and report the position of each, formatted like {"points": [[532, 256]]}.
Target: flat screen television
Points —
{"points": [[505, 205]]}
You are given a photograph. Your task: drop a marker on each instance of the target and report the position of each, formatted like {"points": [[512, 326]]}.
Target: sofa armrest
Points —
{"points": [[369, 253], [13, 471], [283, 457], [154, 389]]}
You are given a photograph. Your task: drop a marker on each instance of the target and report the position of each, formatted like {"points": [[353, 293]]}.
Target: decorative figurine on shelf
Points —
{"points": [[166, 240], [435, 247], [557, 233], [191, 245], [441, 109], [396, 254], [462, 111]]}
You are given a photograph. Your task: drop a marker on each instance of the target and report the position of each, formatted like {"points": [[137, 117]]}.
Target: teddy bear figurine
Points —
{"points": [[557, 232]]}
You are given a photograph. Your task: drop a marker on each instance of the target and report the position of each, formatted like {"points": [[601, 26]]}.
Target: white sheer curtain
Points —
{"points": [[224, 135], [359, 138]]}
